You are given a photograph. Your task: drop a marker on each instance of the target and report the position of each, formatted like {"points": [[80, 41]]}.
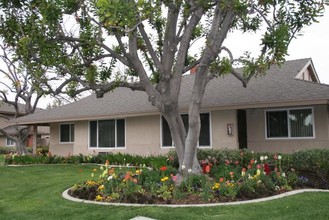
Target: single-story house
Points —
{"points": [[284, 111], [8, 112]]}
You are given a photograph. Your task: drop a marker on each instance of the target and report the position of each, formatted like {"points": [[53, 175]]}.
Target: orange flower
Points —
{"points": [[163, 168], [221, 179], [127, 176]]}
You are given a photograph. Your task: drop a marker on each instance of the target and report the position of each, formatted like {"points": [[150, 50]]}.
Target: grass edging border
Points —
{"points": [[65, 195]]}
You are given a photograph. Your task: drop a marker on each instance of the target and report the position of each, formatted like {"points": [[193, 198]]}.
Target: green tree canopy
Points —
{"points": [[148, 44]]}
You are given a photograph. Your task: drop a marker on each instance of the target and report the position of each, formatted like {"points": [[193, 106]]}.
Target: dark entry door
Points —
{"points": [[242, 129]]}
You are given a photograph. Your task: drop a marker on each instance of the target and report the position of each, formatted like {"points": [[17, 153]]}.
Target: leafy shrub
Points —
{"points": [[115, 159], [311, 165], [6, 150]]}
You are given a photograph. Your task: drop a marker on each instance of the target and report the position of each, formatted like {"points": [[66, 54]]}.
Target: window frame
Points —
{"points": [[173, 145], [70, 134], [116, 135], [11, 141], [287, 110]]}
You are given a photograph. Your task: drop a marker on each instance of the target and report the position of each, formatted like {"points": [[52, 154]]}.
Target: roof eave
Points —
{"points": [[272, 104]]}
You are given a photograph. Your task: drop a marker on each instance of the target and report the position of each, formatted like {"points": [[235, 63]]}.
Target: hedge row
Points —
{"points": [[310, 164]]}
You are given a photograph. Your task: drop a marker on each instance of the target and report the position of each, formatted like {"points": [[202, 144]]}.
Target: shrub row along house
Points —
{"points": [[284, 111]]}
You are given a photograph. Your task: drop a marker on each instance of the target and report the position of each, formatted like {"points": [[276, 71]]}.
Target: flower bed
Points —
{"points": [[220, 182]]}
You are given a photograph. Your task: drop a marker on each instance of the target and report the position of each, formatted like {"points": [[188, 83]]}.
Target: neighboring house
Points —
{"points": [[8, 112], [284, 111]]}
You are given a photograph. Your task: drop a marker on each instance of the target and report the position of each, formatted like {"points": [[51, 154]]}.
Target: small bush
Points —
{"points": [[6, 150], [311, 165]]}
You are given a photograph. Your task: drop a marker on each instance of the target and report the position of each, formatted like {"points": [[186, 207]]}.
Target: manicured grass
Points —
{"points": [[34, 192], [2, 159]]}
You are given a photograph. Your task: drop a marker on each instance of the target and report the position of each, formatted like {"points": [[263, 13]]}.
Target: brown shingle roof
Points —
{"points": [[278, 85]]}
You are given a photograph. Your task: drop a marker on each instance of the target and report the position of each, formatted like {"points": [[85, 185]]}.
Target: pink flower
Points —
{"points": [[227, 162], [173, 177]]}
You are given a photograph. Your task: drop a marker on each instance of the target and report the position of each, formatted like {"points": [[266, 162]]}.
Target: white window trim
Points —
{"points": [[108, 148], [59, 132], [289, 129], [11, 141], [201, 147]]}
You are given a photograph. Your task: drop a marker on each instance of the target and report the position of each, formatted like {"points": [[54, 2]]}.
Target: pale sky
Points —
{"points": [[314, 43]]}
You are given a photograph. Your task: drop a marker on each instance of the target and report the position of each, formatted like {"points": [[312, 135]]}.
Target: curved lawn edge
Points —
{"points": [[65, 195]]}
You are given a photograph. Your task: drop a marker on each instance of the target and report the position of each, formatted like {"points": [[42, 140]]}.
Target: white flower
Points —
{"points": [[279, 157], [283, 174], [189, 170], [109, 178], [261, 158], [252, 151], [265, 157], [183, 167]]}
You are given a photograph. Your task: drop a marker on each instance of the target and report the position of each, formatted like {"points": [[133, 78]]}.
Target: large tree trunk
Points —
{"points": [[21, 141], [190, 155], [20, 148], [178, 135]]}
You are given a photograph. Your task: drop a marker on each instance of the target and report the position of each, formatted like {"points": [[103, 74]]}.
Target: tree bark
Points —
{"points": [[21, 141]]}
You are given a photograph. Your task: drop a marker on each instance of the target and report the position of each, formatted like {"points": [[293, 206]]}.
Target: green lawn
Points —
{"points": [[34, 192], [2, 159]]}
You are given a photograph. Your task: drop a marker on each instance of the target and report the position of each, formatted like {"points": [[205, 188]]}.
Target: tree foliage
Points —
{"points": [[148, 44]]}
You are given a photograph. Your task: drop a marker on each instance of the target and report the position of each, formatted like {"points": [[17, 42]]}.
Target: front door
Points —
{"points": [[242, 129]]}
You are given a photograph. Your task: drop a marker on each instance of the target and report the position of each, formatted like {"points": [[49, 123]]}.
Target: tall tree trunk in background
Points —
{"points": [[22, 136]]}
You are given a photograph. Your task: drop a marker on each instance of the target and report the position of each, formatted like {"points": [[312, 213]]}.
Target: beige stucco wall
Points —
{"points": [[220, 138], [3, 141], [143, 136], [258, 142], [55, 147]]}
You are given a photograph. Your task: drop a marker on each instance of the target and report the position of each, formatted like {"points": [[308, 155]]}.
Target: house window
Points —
{"points": [[107, 133], [290, 123], [66, 133], [10, 142], [204, 139]]}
